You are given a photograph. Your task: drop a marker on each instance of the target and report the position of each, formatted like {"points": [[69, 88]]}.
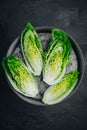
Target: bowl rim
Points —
{"points": [[42, 29]]}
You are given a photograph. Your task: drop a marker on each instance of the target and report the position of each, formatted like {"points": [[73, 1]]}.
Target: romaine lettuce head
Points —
{"points": [[57, 58], [32, 49], [19, 76], [59, 91]]}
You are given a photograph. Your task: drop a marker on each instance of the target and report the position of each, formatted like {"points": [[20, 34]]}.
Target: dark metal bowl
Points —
{"points": [[45, 36]]}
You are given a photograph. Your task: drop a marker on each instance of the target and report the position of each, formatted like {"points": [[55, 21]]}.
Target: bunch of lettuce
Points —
{"points": [[53, 68]]}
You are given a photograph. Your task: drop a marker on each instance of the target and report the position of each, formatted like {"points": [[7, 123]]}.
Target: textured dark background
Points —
{"points": [[69, 15]]}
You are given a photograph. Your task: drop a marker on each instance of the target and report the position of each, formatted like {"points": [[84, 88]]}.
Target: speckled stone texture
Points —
{"points": [[69, 15]]}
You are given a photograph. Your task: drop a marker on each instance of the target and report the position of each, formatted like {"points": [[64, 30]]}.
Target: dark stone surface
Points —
{"points": [[69, 15]]}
